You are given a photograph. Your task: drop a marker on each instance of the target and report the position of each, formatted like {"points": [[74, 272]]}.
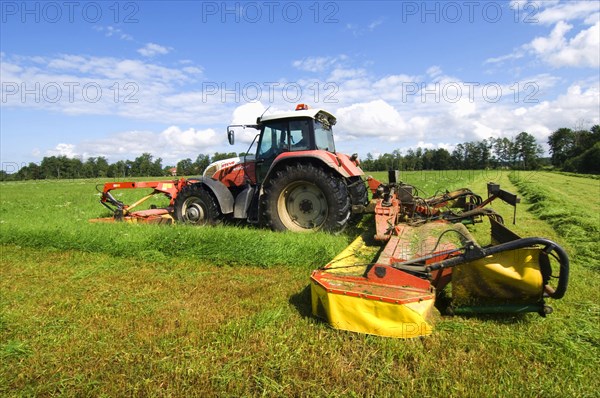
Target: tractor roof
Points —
{"points": [[311, 113]]}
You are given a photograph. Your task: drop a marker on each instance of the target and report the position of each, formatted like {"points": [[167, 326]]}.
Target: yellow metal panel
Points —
{"points": [[372, 317], [512, 276]]}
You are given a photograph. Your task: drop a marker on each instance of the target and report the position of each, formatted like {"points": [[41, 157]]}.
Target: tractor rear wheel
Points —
{"points": [[304, 198], [195, 205]]}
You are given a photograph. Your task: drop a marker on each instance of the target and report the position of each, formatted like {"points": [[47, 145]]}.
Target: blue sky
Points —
{"points": [[117, 79]]}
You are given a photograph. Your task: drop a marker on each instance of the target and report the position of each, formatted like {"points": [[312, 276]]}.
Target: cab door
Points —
{"points": [[274, 140]]}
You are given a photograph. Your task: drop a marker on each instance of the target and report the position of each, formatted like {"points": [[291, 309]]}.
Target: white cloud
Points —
{"points": [[554, 41], [85, 85], [318, 64], [434, 71], [190, 138], [359, 30], [377, 113], [247, 113], [571, 10], [62, 149], [374, 112], [111, 31], [592, 18], [374, 118], [152, 49], [574, 40], [582, 50], [515, 55], [171, 144], [374, 24]]}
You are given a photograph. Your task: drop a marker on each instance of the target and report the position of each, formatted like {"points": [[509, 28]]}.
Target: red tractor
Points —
{"points": [[295, 181]]}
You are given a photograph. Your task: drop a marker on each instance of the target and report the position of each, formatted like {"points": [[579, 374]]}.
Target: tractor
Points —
{"points": [[294, 181]]}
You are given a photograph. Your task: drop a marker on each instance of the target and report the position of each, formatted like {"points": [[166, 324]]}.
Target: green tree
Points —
{"points": [[89, 168], [201, 163], [441, 159], [368, 163], [101, 166], [30, 172], [562, 144], [458, 157], [586, 162], [120, 169], [528, 150], [185, 167], [222, 156], [503, 149]]}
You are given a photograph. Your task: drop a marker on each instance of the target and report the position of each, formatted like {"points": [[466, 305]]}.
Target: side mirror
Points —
{"points": [[231, 136]]}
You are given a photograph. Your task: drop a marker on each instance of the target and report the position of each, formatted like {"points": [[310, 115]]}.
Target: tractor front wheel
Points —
{"points": [[306, 198], [195, 205]]}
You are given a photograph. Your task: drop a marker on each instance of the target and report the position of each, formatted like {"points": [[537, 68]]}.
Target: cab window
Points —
{"points": [[299, 135], [324, 137], [274, 140]]}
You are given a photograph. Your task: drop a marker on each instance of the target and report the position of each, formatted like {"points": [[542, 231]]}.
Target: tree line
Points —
{"points": [[571, 150], [61, 167], [521, 152], [574, 151], [577, 151]]}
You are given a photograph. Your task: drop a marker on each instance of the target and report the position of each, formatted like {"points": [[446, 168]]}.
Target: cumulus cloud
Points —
{"points": [[171, 144], [581, 50], [62, 149], [374, 118], [574, 40], [88, 85], [375, 112], [553, 12], [247, 113], [381, 118], [152, 49]]}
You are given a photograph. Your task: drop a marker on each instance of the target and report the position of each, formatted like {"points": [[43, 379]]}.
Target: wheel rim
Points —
{"points": [[193, 212], [302, 206]]}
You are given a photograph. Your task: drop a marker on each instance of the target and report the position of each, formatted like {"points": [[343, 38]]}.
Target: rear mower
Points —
{"points": [[389, 282]]}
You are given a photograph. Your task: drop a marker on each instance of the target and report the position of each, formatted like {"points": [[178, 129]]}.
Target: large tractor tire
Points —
{"points": [[304, 198], [195, 205], [358, 196]]}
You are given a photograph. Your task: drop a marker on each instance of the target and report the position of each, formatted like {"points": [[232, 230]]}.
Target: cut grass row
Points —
{"points": [[571, 206]]}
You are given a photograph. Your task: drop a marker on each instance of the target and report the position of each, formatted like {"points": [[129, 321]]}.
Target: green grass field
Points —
{"points": [[121, 310]]}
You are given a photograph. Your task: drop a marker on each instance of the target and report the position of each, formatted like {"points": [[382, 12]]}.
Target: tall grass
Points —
{"points": [[55, 214]]}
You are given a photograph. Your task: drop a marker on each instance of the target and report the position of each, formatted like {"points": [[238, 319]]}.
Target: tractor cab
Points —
{"points": [[295, 179], [304, 129]]}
